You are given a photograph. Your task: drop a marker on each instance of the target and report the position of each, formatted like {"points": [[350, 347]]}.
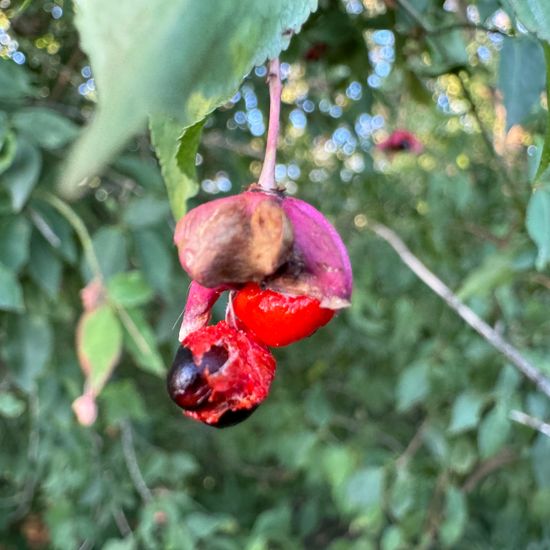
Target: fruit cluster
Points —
{"points": [[287, 273]]}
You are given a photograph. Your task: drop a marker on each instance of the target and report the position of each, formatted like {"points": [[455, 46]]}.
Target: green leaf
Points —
{"points": [[534, 15], [197, 54], [129, 289], [203, 526], [544, 160], [493, 431], [11, 294], [317, 408], [487, 8], [365, 488], [110, 248], [14, 80], [176, 150], [28, 349], [521, 77], [45, 267], [538, 224], [15, 235], [22, 175], [496, 270], [11, 406], [456, 517], [120, 544], [140, 341], [45, 127], [462, 457], [403, 495], [121, 400], [466, 412], [144, 171], [392, 539], [155, 259], [56, 229], [413, 386], [144, 211], [7, 151], [274, 522], [99, 344], [540, 461]]}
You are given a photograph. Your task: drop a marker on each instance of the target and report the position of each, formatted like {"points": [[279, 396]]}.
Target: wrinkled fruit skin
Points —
{"points": [[277, 319], [233, 240], [220, 375]]}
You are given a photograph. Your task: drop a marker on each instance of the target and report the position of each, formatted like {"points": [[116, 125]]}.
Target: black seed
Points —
{"points": [[213, 359], [185, 383], [230, 418]]}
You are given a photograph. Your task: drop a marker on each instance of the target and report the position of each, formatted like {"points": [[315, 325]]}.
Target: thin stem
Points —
{"points": [[412, 448], [530, 421], [505, 457], [267, 176], [467, 26], [452, 300], [78, 225], [132, 463]]}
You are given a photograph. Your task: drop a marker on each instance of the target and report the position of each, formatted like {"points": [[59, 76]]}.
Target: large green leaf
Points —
{"points": [[521, 77], [534, 14], [196, 55]]}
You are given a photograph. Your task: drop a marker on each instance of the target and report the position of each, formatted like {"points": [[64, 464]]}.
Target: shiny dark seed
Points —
{"points": [[230, 418], [214, 359], [186, 385]]}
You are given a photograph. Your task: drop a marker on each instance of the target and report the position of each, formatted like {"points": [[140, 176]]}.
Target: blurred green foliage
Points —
{"points": [[390, 428]]}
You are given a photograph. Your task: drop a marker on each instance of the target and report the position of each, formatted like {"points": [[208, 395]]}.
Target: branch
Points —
{"points": [[267, 176], [467, 26], [531, 422], [488, 467], [481, 327], [78, 225], [412, 448], [132, 464]]}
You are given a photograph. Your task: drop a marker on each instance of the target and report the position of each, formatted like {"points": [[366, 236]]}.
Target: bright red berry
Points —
{"points": [[278, 319], [220, 375]]}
